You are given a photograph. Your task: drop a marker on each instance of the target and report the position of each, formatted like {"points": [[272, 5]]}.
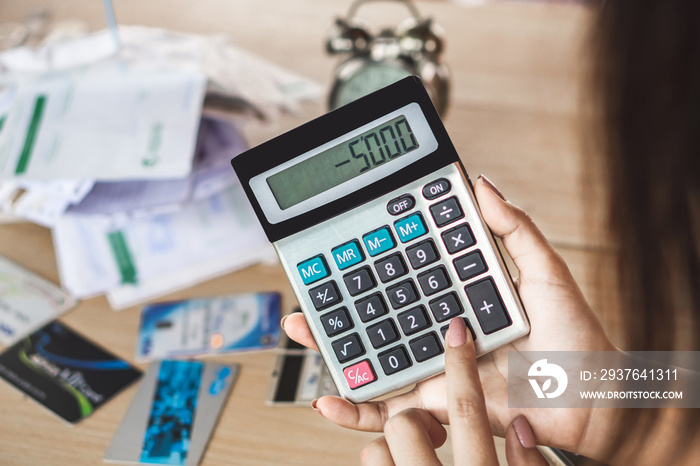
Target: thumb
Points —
{"points": [[532, 254], [521, 448]]}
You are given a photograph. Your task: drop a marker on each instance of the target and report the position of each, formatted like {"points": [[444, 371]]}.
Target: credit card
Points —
{"points": [[209, 326], [65, 372], [300, 376], [173, 413], [27, 301]]}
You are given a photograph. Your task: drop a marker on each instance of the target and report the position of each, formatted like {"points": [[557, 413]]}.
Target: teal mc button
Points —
{"points": [[347, 255], [312, 270], [378, 241], [410, 227]]}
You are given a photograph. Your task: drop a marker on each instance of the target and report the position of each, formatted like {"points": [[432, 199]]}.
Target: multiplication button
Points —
{"points": [[458, 238]]}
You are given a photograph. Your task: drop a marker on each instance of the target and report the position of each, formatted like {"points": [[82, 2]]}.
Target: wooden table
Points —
{"points": [[517, 69]]}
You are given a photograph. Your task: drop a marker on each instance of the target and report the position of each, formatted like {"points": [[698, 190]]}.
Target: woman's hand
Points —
{"points": [[411, 436], [560, 319]]}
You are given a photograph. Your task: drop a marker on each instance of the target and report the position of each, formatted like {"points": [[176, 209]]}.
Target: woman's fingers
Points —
{"points": [[410, 437], [532, 254], [521, 449], [472, 440], [297, 329]]}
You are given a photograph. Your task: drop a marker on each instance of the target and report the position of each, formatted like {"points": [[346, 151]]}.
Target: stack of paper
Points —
{"points": [[120, 148]]}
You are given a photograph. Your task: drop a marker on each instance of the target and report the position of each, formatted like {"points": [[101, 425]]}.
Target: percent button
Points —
{"points": [[336, 322]]}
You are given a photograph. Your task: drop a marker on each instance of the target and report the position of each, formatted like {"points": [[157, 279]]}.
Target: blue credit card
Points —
{"points": [[209, 326]]}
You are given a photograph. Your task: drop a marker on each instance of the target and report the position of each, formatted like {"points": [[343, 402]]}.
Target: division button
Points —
{"points": [[394, 360], [487, 305], [446, 212], [359, 374], [324, 296], [348, 348], [425, 347]]}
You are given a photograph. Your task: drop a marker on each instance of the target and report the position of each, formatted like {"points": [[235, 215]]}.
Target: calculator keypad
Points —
{"points": [[403, 280]]}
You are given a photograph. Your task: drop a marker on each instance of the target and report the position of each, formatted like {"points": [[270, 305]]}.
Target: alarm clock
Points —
{"points": [[372, 61]]}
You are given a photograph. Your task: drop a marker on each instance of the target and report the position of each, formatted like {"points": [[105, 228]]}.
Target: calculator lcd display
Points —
{"points": [[353, 157]]}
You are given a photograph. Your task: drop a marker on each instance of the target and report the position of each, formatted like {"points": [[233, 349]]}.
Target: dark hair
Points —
{"points": [[646, 85]]}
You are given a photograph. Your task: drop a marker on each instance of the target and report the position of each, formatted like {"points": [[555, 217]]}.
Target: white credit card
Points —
{"points": [[27, 301]]}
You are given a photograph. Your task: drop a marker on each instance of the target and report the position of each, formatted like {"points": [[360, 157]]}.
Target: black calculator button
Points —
{"points": [[348, 348], [470, 265], [359, 281], [444, 329], [487, 305], [383, 333], [394, 360], [434, 281], [425, 347], [390, 267], [446, 307], [402, 294], [436, 189], [458, 238], [325, 295], [446, 212], [336, 322], [413, 321], [371, 307], [422, 254], [401, 204]]}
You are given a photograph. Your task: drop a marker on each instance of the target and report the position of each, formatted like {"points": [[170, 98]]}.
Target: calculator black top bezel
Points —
{"points": [[335, 124]]}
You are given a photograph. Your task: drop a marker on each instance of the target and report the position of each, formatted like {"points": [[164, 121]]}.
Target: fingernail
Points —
{"points": [[313, 405], [524, 432], [457, 333], [282, 321], [492, 186]]}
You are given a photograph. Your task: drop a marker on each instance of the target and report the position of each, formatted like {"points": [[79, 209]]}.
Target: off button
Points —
{"points": [[401, 204]]}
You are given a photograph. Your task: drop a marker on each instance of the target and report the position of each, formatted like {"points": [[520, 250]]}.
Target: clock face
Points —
{"points": [[369, 78]]}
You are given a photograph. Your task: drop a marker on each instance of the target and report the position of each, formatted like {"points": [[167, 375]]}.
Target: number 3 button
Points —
{"points": [[446, 307]]}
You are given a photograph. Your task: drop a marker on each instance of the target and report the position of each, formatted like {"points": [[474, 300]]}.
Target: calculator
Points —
{"points": [[375, 222]]}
